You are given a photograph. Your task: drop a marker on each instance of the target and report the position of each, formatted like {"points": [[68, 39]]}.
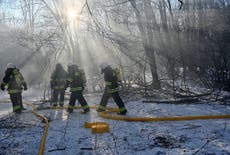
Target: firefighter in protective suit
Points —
{"points": [[111, 89], [15, 83], [58, 85], [76, 81]]}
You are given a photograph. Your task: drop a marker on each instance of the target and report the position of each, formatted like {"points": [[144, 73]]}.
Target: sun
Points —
{"points": [[72, 15]]}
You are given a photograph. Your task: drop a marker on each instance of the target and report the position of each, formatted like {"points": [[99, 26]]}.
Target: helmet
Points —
{"points": [[10, 65], [103, 65], [72, 67], [71, 64], [58, 66]]}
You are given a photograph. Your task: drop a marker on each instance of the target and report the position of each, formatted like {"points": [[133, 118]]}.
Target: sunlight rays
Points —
{"points": [[81, 45], [68, 14], [72, 15]]}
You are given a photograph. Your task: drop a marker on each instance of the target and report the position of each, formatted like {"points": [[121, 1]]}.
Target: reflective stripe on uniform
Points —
{"points": [[114, 90], [54, 102], [71, 107], [59, 80], [75, 89], [77, 74], [101, 107], [107, 83], [14, 91], [85, 107], [60, 87], [61, 102], [17, 107], [122, 109], [70, 79]]}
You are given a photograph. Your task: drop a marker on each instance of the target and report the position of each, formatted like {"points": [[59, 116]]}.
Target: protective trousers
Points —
{"points": [[16, 99], [116, 97], [77, 95], [55, 95]]}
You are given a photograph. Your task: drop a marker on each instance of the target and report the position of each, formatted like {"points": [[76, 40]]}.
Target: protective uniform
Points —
{"points": [[111, 89], [76, 81], [58, 85], [14, 81]]}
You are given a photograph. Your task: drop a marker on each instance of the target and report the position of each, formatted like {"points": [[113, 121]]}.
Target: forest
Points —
{"points": [[173, 58], [154, 43]]}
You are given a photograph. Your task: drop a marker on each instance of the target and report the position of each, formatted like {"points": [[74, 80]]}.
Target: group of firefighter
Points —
{"points": [[74, 78]]}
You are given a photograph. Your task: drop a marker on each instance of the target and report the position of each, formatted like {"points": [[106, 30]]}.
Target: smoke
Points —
{"points": [[70, 31]]}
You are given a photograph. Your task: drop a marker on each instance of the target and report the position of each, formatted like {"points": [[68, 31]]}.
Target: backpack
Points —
{"points": [[82, 73], [17, 77], [117, 73]]}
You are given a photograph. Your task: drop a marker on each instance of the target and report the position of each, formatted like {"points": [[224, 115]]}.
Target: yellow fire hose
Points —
{"points": [[43, 141], [5, 101], [106, 114]]}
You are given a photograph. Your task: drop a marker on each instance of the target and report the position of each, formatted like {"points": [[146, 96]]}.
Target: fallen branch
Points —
{"points": [[85, 148], [181, 101], [208, 141], [58, 149]]}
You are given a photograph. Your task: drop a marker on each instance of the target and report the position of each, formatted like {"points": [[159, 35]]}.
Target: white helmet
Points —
{"points": [[10, 65], [103, 65], [71, 64]]}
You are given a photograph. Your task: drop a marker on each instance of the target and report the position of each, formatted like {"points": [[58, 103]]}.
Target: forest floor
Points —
{"points": [[21, 134]]}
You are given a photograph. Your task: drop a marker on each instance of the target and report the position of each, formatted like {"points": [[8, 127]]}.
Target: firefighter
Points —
{"points": [[58, 85], [76, 81], [111, 89], [14, 81]]}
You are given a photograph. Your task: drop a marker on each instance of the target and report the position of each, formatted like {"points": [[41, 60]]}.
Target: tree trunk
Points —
{"points": [[147, 38], [150, 53]]}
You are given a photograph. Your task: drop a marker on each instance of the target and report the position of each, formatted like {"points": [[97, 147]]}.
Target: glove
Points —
{"points": [[25, 88], [52, 85], [2, 87]]}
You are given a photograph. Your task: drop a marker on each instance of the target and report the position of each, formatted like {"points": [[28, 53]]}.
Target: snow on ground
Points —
{"points": [[20, 134], [67, 135]]}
